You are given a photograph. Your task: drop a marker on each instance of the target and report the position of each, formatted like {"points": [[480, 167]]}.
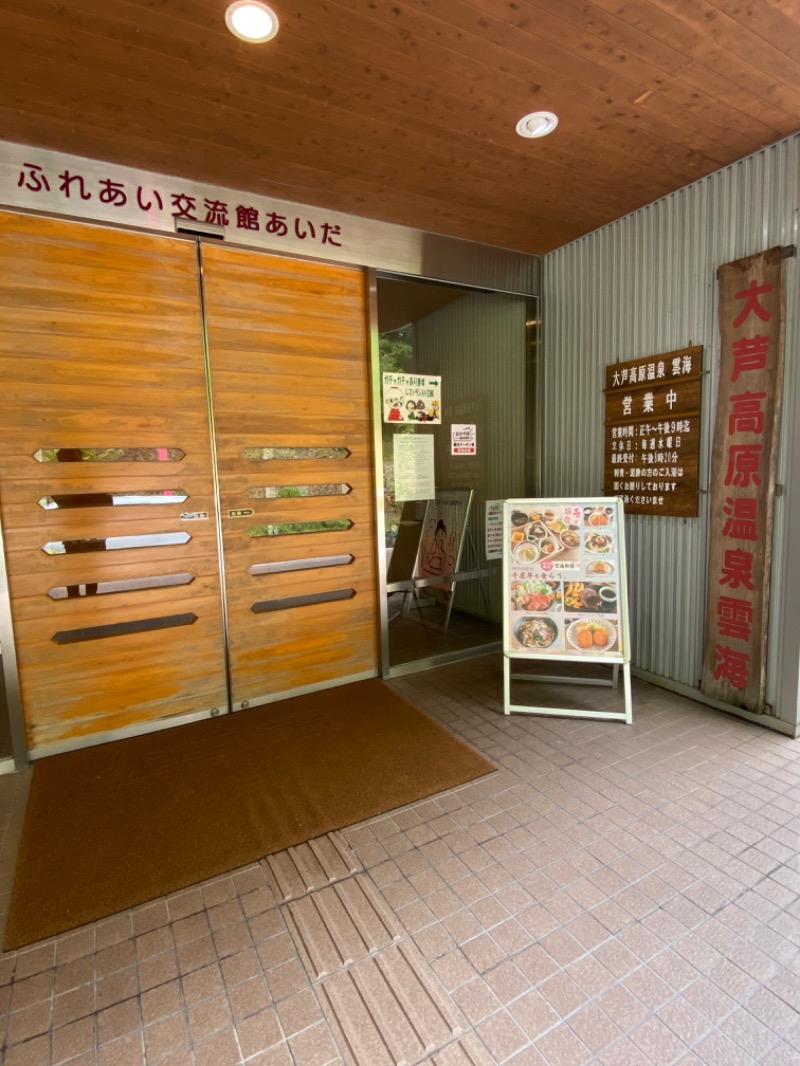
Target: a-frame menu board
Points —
{"points": [[565, 589]]}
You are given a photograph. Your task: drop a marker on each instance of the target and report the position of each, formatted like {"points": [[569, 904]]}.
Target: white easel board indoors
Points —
{"points": [[565, 589]]}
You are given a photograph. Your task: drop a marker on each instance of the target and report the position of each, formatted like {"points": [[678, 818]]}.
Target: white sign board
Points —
{"points": [[443, 535], [412, 398], [413, 466], [564, 582], [494, 529]]}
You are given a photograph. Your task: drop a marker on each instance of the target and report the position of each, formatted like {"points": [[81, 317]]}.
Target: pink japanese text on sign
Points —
{"points": [[744, 458]]}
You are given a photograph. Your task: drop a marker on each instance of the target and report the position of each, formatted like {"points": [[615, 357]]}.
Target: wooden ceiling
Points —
{"points": [[404, 110]]}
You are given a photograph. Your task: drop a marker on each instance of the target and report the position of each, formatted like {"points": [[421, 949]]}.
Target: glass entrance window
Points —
{"points": [[443, 575]]}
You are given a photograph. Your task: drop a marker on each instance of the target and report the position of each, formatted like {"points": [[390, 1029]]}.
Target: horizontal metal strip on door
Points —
{"points": [[288, 565], [109, 455], [107, 588], [267, 454], [73, 500], [104, 544], [288, 529], [302, 601], [274, 492], [122, 629]]}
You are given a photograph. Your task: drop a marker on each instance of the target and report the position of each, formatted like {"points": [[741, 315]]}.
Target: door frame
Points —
{"points": [[16, 722]]}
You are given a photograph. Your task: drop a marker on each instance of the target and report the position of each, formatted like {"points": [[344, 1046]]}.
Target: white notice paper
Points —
{"points": [[494, 529], [413, 466]]}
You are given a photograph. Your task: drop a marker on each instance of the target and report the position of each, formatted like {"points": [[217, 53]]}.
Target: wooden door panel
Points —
{"points": [[289, 369], [101, 348], [148, 666]]}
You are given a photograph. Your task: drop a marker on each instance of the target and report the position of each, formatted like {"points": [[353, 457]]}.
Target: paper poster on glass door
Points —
{"points": [[565, 580], [412, 397]]}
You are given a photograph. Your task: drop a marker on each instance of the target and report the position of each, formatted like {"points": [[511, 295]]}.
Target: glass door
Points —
{"points": [[443, 570], [6, 750]]}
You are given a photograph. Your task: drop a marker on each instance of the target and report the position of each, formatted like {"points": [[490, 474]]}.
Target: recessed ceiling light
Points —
{"points": [[251, 21], [537, 124]]}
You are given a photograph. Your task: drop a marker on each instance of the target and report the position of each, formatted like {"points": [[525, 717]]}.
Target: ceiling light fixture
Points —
{"points": [[537, 124], [252, 21]]}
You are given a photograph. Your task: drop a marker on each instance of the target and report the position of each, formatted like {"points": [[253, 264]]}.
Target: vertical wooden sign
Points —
{"points": [[744, 454]]}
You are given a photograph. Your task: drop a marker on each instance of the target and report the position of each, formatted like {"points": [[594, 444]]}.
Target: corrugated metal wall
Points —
{"points": [[478, 345], [644, 285]]}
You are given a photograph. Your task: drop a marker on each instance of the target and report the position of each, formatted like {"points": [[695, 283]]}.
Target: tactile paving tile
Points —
{"points": [[467, 1052], [388, 1011], [306, 867], [340, 924]]}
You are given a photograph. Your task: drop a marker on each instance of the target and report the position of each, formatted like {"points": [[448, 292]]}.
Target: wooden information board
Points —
{"points": [[652, 433], [565, 589]]}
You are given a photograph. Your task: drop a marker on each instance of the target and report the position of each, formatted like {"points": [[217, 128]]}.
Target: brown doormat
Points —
{"points": [[112, 826]]}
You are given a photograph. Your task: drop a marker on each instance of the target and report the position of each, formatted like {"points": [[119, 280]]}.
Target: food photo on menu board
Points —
{"points": [[563, 572]]}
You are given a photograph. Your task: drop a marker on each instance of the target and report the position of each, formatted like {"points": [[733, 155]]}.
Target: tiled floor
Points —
{"points": [[613, 894], [426, 632]]}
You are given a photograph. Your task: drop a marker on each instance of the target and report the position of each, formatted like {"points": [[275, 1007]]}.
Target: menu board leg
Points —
{"points": [[626, 680], [569, 712]]}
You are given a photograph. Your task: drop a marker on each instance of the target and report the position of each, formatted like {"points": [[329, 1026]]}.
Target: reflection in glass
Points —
{"points": [[485, 347], [300, 564], [72, 500], [302, 601], [109, 455], [274, 492], [259, 454], [285, 529], [106, 588], [108, 544], [121, 629]]}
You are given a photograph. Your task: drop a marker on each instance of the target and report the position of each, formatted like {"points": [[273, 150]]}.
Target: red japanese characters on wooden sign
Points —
{"points": [[743, 461]]}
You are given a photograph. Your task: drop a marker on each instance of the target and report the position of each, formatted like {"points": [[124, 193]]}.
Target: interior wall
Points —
{"points": [[478, 345], [644, 285]]}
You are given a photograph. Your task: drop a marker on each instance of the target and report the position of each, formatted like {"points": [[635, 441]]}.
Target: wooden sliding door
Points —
{"points": [[106, 481], [158, 570], [290, 387]]}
